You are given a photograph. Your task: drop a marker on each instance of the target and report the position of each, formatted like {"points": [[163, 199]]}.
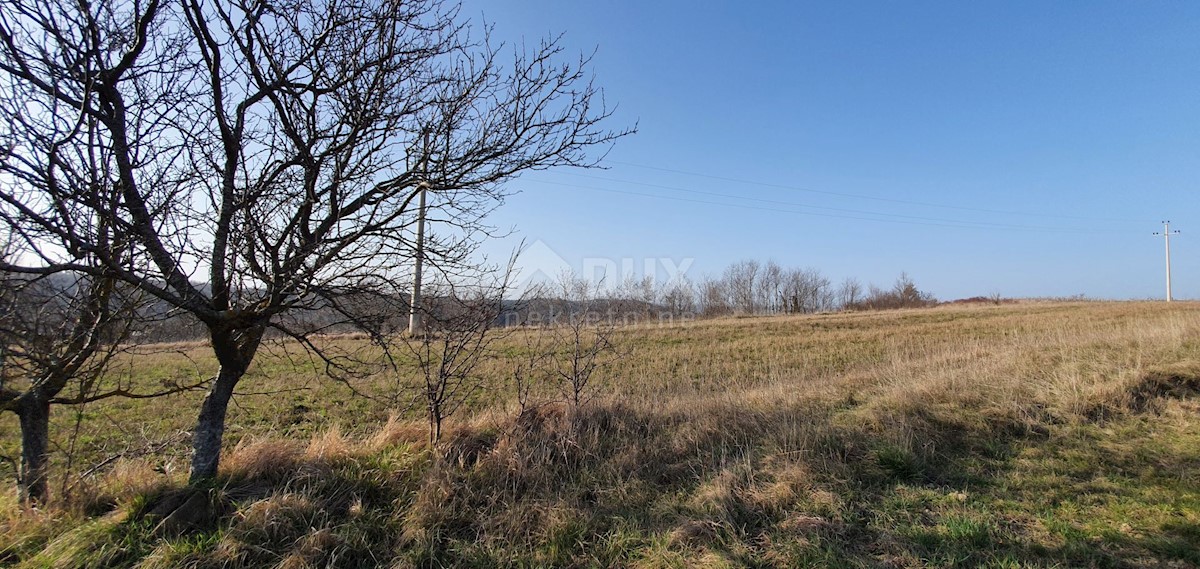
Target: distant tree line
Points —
{"points": [[746, 287]]}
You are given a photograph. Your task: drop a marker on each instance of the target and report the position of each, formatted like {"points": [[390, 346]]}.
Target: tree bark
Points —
{"points": [[210, 425], [34, 415], [235, 350], [435, 426]]}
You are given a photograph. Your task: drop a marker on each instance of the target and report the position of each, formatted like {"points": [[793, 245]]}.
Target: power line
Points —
{"points": [[933, 223], [826, 208], [873, 198]]}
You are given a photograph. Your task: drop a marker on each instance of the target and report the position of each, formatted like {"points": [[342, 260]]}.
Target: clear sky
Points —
{"points": [[1019, 148]]}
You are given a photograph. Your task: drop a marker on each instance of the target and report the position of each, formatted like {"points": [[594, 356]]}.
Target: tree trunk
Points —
{"points": [[235, 350], [34, 414], [435, 425], [210, 425]]}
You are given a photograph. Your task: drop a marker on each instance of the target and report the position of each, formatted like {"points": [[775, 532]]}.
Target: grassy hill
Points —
{"points": [[1020, 435]]}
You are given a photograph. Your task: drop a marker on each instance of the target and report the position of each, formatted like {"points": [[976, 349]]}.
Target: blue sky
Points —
{"points": [[1020, 148]]}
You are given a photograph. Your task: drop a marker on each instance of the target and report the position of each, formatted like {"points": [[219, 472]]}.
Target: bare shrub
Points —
{"points": [[458, 335], [582, 343], [903, 294]]}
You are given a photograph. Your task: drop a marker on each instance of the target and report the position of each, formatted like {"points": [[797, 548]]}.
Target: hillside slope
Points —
{"points": [[1027, 435]]}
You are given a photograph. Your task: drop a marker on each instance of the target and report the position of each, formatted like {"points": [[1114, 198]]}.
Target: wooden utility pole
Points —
{"points": [[415, 324]]}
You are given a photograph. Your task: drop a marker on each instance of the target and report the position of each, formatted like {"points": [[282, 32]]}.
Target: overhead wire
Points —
{"points": [[957, 222], [908, 220], [872, 198]]}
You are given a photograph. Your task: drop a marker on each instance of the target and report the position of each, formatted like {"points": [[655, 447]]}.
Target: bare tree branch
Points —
{"points": [[264, 156]]}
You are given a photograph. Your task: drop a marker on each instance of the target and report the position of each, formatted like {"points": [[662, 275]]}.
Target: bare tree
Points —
{"points": [[52, 330], [679, 297], [635, 296], [824, 297], [64, 313], [274, 150], [742, 280], [58, 333], [530, 365], [458, 336], [769, 288], [849, 293], [903, 294], [907, 292], [563, 353], [806, 291], [714, 297], [582, 341]]}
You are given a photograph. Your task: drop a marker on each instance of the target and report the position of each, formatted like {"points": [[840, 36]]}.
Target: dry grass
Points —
{"points": [[904, 439]]}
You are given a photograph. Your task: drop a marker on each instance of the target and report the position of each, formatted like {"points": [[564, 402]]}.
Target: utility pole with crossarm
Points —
{"points": [[1167, 233]]}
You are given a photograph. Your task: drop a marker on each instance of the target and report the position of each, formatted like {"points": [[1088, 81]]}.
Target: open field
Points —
{"points": [[1018, 435]]}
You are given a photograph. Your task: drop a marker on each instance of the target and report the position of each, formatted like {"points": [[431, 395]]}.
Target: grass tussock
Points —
{"points": [[1030, 435]]}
